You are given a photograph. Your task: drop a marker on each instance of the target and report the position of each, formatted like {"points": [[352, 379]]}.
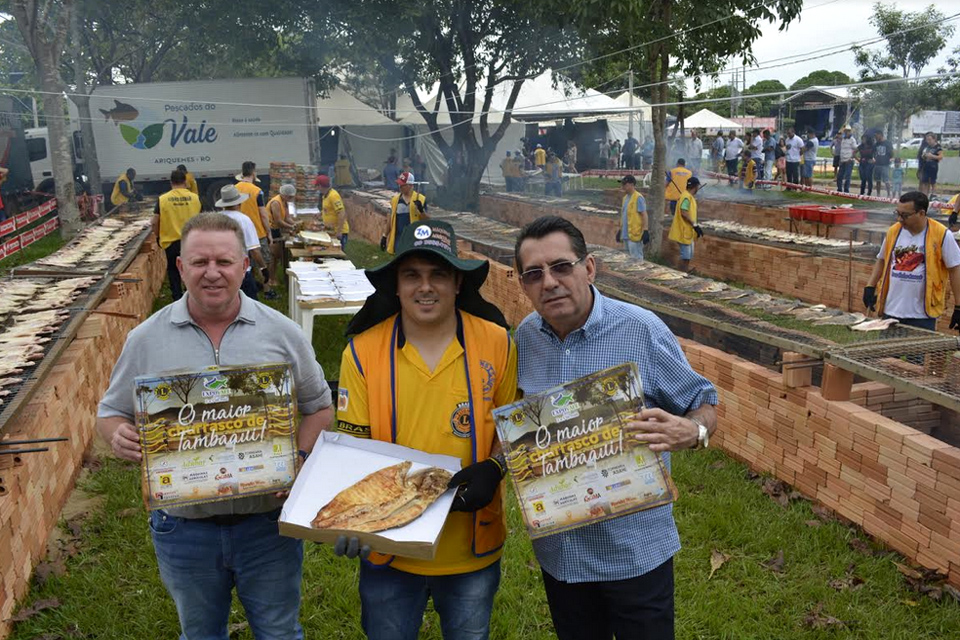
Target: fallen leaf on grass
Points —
{"points": [[236, 627], [928, 582], [813, 523], [777, 490], [775, 563], [38, 605], [717, 560], [532, 565], [907, 571], [848, 581], [823, 513], [719, 464], [752, 475], [45, 570], [816, 619], [952, 591], [91, 462], [127, 513], [863, 547]]}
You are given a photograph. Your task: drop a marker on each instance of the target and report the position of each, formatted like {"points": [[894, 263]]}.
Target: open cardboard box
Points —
{"points": [[339, 461]]}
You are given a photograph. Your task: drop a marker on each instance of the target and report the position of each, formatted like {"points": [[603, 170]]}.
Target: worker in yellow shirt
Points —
{"points": [[428, 362], [123, 189], [342, 176], [172, 211], [332, 212], [540, 157], [191, 181], [748, 172], [278, 209], [684, 230], [676, 181], [255, 208], [634, 222]]}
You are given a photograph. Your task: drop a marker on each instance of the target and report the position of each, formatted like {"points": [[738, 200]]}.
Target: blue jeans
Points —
{"points": [[201, 562], [553, 188], [844, 173], [393, 602], [343, 240], [732, 169], [635, 249], [866, 177], [686, 251]]}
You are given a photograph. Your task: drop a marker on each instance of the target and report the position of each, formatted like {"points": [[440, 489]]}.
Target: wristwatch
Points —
{"points": [[703, 437]]}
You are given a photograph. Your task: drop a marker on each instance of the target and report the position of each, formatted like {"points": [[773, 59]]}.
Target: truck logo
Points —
{"points": [[146, 136]]}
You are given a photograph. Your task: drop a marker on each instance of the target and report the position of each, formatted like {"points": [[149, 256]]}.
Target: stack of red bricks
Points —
{"points": [[920, 414], [65, 406]]}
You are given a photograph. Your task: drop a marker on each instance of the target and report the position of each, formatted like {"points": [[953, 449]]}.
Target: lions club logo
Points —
{"points": [[460, 420], [422, 232], [162, 391]]}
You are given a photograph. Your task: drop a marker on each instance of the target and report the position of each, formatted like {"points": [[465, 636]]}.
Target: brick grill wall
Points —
{"points": [[37, 487], [902, 486]]}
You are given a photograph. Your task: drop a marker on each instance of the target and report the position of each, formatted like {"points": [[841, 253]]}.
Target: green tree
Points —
{"points": [[667, 37], [913, 39], [471, 50], [821, 77], [763, 105]]}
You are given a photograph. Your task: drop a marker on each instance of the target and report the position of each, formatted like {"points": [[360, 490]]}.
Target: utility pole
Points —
{"points": [[630, 116]]}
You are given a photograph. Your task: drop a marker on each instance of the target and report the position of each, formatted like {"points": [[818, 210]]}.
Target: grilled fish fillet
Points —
{"points": [[385, 499]]}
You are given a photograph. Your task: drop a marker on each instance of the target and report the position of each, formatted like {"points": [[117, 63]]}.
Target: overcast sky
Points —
{"points": [[827, 23]]}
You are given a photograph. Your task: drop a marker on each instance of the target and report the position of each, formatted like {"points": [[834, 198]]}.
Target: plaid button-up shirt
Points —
{"points": [[614, 333]]}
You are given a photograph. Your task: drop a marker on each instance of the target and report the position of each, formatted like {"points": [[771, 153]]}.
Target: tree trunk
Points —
{"points": [[462, 192], [61, 156], [659, 66], [91, 163]]}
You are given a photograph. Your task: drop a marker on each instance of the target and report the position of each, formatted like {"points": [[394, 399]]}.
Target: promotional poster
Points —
{"points": [[571, 461], [216, 434]]}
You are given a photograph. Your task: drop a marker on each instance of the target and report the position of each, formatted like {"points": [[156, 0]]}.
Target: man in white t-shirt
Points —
{"points": [[794, 149], [732, 155], [229, 202], [756, 153], [917, 259]]}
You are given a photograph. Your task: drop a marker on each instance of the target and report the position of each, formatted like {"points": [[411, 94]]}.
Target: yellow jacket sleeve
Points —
{"points": [[353, 411]]}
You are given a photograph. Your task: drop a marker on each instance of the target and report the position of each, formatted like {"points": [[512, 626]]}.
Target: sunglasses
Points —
{"points": [[558, 270]]}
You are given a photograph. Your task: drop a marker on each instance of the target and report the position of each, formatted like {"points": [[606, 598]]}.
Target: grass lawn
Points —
{"points": [[39, 249], [107, 585]]}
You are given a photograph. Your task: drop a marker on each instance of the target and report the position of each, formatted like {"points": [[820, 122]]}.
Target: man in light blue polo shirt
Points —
{"points": [[611, 578]]}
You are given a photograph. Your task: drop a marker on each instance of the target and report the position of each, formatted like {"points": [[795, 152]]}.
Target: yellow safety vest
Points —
{"points": [[485, 345], [192, 183], [680, 230], [274, 222], [249, 206], [414, 217], [678, 183], [936, 272], [176, 207], [117, 197], [634, 219]]}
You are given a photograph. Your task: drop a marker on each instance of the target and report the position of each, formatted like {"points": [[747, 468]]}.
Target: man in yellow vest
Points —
{"points": [[406, 207], [676, 183], [255, 208], [279, 211], [634, 223], [684, 229], [333, 213], [429, 361], [341, 172], [191, 181], [540, 157], [917, 259], [172, 211], [508, 169], [123, 189]]}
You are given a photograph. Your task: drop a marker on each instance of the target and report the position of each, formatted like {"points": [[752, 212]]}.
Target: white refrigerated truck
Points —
{"points": [[211, 126]]}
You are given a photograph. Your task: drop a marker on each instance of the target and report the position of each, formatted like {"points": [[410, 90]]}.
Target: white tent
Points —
{"points": [[712, 122], [341, 109], [368, 133], [639, 104]]}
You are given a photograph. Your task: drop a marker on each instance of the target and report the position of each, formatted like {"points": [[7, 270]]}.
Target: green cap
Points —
{"points": [[425, 236]]}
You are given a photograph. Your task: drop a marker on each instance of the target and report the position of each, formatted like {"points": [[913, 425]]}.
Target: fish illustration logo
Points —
{"points": [[122, 112]]}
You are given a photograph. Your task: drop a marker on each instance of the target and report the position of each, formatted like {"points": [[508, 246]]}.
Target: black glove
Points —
{"points": [[383, 243], [619, 235], [477, 484], [350, 547], [419, 205], [952, 220], [265, 273], [870, 298], [645, 238], [955, 319], [699, 231]]}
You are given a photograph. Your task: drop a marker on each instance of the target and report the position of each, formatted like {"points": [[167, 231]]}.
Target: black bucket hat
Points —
{"points": [[426, 236]]}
